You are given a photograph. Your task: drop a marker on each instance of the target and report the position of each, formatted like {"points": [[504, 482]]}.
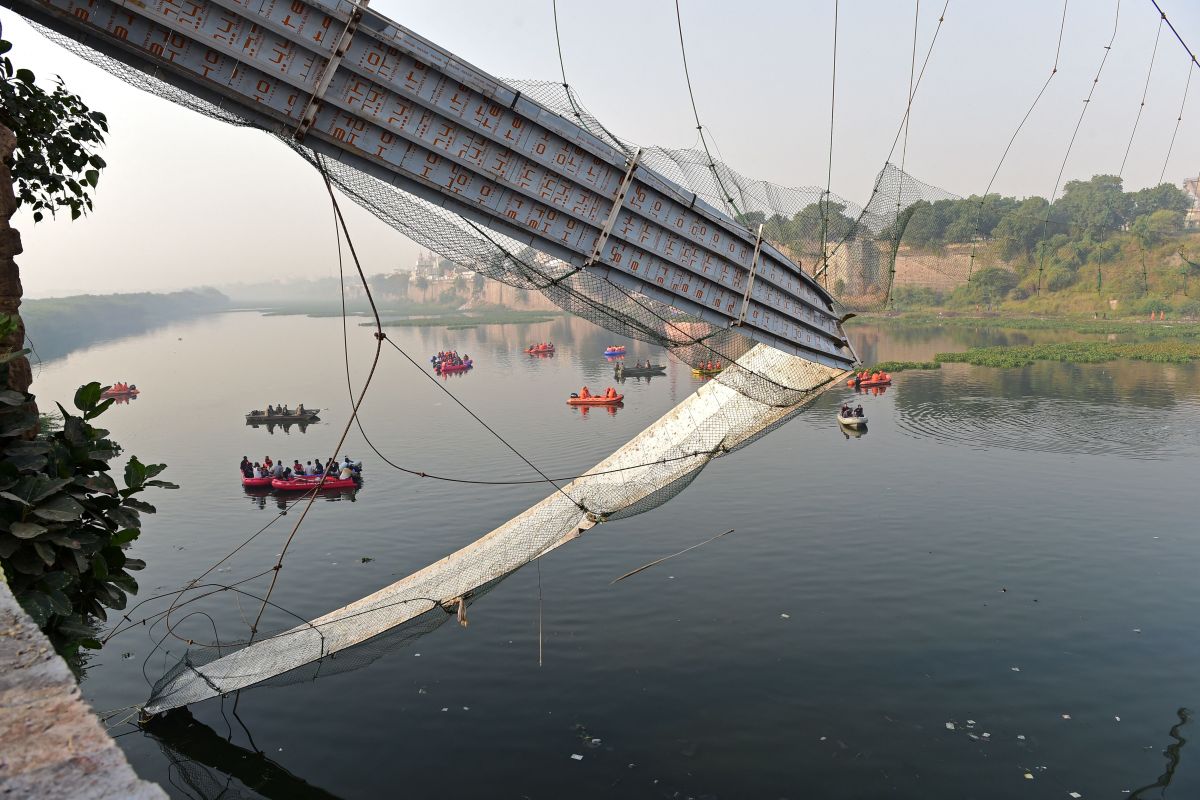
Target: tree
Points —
{"points": [[422, 284], [47, 162], [1097, 207], [1156, 228], [1019, 231], [1163, 197], [53, 164]]}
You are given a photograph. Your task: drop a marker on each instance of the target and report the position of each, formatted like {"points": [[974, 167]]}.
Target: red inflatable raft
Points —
{"points": [[886, 380], [595, 400], [540, 351], [256, 482], [308, 482], [443, 368]]}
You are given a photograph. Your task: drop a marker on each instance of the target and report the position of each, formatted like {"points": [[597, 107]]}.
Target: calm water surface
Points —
{"points": [[974, 590]]}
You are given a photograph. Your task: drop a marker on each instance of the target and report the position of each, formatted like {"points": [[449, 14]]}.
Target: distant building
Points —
{"points": [[1192, 187]]}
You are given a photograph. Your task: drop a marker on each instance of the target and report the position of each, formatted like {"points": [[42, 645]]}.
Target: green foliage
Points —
{"points": [[64, 522], [987, 287], [901, 366], [1155, 228], [1163, 352], [54, 165]]}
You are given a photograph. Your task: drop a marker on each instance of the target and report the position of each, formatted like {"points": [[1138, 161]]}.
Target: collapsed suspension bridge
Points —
{"points": [[514, 180]]}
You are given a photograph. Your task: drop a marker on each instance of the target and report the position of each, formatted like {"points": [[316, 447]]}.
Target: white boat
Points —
{"points": [[852, 422]]}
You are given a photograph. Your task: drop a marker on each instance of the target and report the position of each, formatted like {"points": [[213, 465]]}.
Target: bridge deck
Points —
{"points": [[362, 89]]}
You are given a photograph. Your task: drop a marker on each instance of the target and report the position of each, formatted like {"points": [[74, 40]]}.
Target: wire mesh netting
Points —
{"points": [[851, 250]]}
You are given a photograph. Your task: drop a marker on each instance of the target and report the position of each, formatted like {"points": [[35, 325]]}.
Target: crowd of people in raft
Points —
{"points": [[848, 412], [711, 366], [540, 346], [275, 469], [585, 393], [121, 387], [450, 358], [866, 377], [284, 411]]}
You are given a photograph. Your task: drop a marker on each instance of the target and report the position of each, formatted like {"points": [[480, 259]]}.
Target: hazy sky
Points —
{"points": [[187, 201]]}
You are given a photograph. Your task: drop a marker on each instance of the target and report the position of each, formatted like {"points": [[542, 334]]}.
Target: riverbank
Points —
{"points": [[57, 326], [1126, 326]]}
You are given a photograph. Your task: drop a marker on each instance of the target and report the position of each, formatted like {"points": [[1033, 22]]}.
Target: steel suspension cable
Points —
{"points": [[829, 168], [1071, 144], [1178, 120], [1003, 156], [736, 214], [1145, 92]]}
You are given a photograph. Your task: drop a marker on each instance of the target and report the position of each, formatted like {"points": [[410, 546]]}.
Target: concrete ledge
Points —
{"points": [[51, 744]]}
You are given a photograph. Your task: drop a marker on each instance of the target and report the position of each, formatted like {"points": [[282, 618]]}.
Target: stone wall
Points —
{"points": [[51, 745]]}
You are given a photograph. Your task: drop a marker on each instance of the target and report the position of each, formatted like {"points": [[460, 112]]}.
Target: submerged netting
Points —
{"points": [[643, 474]]}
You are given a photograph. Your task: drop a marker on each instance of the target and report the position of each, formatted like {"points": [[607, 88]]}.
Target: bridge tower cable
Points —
{"points": [[726, 195], [1003, 156], [912, 68], [829, 170], [1071, 144]]}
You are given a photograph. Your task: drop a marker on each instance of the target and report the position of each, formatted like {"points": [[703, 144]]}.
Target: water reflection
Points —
{"points": [[258, 496], [204, 764], [1173, 753], [1049, 408], [611, 408], [286, 427]]}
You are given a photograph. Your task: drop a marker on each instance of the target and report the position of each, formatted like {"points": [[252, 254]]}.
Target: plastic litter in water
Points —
{"points": [[1028, 776], [576, 757], [949, 726], [786, 616], [1077, 795], [1118, 719], [1066, 716], [1016, 669], [1021, 736]]}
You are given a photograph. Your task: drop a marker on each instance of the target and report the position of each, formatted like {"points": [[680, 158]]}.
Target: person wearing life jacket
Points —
{"points": [[266, 462], [718, 363], [584, 393]]}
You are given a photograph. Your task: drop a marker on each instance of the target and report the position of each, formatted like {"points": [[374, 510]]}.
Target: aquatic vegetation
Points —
{"points": [[1163, 352], [901, 366], [1141, 329]]}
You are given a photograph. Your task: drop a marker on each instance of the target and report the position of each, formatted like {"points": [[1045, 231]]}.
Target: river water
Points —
{"points": [[989, 594]]}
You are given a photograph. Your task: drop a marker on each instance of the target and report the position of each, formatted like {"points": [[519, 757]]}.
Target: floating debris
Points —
{"points": [[785, 616], [576, 757], [1028, 776], [1077, 795], [1016, 669], [949, 726], [1021, 736], [367, 559], [1118, 719], [1066, 716]]}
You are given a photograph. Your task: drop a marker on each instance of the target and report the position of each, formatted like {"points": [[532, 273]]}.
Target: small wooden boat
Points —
{"points": [[852, 421], [262, 417], [548, 350], [306, 483], [623, 371], [595, 400]]}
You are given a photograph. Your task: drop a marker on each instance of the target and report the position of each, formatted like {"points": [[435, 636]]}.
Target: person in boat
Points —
{"points": [[857, 380], [277, 470], [258, 473], [584, 393], [858, 412], [266, 462], [845, 412], [297, 467], [245, 463], [347, 471]]}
